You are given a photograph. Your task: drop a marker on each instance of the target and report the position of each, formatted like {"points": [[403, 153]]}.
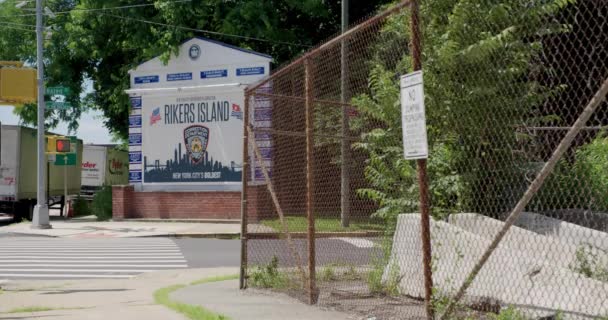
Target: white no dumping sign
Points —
{"points": [[413, 118]]}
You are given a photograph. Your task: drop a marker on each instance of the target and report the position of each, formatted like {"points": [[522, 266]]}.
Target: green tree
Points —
{"points": [[479, 61], [102, 45]]}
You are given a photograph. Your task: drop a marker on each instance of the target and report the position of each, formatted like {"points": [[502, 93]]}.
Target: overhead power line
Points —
{"points": [[18, 24], [15, 28], [99, 9], [205, 31]]}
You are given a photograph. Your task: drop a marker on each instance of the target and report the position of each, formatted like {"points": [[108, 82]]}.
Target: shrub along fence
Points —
{"points": [[516, 181]]}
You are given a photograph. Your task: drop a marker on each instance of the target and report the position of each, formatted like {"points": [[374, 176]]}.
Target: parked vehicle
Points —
{"points": [[103, 165], [18, 172]]}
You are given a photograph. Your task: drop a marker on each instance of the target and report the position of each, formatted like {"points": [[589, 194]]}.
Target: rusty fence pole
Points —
{"points": [[312, 296], [425, 227], [244, 208]]}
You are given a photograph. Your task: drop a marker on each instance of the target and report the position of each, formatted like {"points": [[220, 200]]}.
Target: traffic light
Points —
{"points": [[62, 145], [57, 144]]}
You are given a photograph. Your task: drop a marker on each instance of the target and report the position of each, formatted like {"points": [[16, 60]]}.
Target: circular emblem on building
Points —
{"points": [[194, 52]]}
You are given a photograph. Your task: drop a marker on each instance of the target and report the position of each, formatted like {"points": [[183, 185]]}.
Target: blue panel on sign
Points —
{"points": [[134, 176], [146, 79], [266, 153], [259, 173], [263, 136], [208, 74], [135, 139], [263, 114], [179, 76], [249, 71], [135, 157], [135, 103], [135, 121]]}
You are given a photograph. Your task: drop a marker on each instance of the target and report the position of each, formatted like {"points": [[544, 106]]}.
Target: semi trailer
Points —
{"points": [[18, 172]]}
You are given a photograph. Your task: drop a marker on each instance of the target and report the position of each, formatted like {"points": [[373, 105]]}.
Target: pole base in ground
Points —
{"points": [[40, 218]]}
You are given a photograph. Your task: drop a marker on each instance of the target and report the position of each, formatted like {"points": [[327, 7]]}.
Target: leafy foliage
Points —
{"points": [[578, 183], [102, 204], [478, 58], [269, 276], [589, 263], [81, 207], [103, 45]]}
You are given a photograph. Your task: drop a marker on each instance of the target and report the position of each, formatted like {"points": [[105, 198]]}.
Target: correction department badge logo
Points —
{"points": [[196, 138], [194, 52]]}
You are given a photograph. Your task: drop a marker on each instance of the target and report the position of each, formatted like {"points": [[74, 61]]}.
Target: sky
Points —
{"points": [[90, 130]]}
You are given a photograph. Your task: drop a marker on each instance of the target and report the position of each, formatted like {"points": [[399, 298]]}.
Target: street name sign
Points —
{"points": [[58, 97]]}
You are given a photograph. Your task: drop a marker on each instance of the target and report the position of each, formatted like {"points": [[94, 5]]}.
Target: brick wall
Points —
{"points": [[128, 204]]}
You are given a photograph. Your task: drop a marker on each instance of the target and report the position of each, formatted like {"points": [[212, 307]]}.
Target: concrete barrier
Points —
{"points": [[511, 276], [550, 249], [565, 232]]}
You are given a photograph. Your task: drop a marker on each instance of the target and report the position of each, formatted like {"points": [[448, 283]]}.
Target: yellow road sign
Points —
{"points": [[17, 85]]}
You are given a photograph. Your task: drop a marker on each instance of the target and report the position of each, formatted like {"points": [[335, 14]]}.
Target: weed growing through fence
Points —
{"points": [[389, 286], [509, 313], [328, 273], [338, 272], [269, 276], [589, 264], [322, 224]]}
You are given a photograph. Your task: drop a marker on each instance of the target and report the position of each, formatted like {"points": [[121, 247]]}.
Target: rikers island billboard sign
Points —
{"points": [[192, 137]]}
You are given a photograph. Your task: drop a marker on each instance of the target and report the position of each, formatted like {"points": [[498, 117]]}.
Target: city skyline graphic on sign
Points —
{"points": [[182, 169]]}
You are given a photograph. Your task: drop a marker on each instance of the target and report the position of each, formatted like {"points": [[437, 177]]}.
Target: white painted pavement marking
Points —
{"points": [[100, 265], [96, 256], [102, 260], [358, 242], [93, 250], [69, 276], [87, 258], [80, 270]]}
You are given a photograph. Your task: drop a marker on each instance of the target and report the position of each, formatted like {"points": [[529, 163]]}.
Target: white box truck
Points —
{"points": [[18, 172]]}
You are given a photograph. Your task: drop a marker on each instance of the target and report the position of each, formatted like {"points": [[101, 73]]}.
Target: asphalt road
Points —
{"points": [[64, 258]]}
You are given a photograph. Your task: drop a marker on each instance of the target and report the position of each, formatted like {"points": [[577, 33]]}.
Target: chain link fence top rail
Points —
{"points": [[504, 81]]}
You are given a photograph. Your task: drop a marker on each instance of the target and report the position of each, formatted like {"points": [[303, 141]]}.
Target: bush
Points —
{"points": [[102, 204], [81, 207], [581, 183]]}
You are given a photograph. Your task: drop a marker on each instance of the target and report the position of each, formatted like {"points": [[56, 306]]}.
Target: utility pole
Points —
{"points": [[345, 131], [41, 211]]}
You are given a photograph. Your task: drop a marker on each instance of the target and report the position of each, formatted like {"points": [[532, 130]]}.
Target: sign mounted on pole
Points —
{"points": [[56, 98], [413, 117]]}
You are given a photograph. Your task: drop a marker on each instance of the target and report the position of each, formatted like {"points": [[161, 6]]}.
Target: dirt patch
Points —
{"points": [[353, 297]]}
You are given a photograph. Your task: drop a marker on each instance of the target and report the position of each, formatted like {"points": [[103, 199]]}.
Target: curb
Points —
{"points": [[30, 234], [216, 221], [222, 236], [318, 235]]}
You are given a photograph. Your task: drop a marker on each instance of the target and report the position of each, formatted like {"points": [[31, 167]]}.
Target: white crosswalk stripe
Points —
{"points": [[44, 258]]}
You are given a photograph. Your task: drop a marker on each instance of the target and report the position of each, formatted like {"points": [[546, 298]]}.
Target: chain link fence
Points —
{"points": [[331, 207]]}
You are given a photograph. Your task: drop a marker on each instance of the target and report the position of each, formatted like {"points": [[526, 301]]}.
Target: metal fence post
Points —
{"points": [[244, 208], [312, 295], [344, 143], [422, 177]]}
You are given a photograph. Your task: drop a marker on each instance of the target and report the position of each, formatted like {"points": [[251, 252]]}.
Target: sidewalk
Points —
{"points": [[225, 298], [98, 299], [134, 299], [124, 229]]}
